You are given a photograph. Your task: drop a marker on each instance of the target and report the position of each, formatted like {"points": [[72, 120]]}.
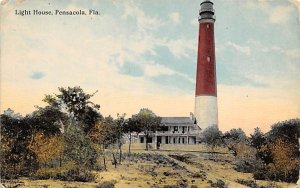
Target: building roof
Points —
{"points": [[177, 120]]}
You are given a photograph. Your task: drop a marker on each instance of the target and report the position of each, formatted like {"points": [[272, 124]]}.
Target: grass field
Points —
{"points": [[172, 166]]}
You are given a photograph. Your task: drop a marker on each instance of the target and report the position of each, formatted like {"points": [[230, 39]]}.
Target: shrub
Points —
{"points": [[245, 165], [76, 174], [271, 185], [68, 172], [171, 186], [284, 166], [249, 183], [267, 173], [261, 173], [212, 137], [182, 183], [168, 173], [218, 183], [201, 174], [107, 184]]}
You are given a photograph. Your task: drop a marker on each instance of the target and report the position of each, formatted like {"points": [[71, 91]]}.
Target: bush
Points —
{"points": [[248, 183], [76, 174], [107, 184], [68, 172], [267, 173], [245, 166], [171, 186], [261, 173], [218, 183], [212, 137], [271, 185], [182, 183], [283, 166], [201, 174]]}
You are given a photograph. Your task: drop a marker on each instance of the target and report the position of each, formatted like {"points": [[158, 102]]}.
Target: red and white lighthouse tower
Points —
{"points": [[206, 107]]}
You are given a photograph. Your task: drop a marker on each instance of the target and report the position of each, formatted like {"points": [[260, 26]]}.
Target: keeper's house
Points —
{"points": [[174, 130]]}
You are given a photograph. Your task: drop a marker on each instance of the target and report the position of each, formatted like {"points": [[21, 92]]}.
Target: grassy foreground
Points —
{"points": [[171, 166]]}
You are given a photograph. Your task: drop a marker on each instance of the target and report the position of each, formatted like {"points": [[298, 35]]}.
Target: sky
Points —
{"points": [[142, 54]]}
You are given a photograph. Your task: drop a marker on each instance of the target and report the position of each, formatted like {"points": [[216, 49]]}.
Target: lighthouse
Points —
{"points": [[206, 107]]}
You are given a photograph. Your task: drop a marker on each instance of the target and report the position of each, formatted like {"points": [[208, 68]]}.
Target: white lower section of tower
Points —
{"points": [[206, 111]]}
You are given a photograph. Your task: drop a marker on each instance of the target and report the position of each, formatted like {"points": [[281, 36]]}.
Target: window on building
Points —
{"points": [[183, 129], [178, 140], [176, 128], [183, 140], [142, 139], [174, 140], [164, 128]]}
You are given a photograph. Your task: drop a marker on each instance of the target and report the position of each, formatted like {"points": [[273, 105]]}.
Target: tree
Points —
{"points": [[284, 165], [78, 105], [290, 130], [103, 134], [212, 137], [16, 158], [78, 146], [257, 139], [48, 120], [279, 151], [120, 129], [234, 137], [284, 158], [47, 147], [132, 125], [149, 122]]}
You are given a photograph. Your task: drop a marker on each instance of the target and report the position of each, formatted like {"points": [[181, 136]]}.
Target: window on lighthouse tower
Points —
{"points": [[208, 58]]}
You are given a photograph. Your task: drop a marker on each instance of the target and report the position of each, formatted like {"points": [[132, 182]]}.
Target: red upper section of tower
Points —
{"points": [[206, 70]]}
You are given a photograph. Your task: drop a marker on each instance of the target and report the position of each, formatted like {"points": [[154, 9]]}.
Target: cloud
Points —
{"points": [[276, 14], [37, 75], [263, 47], [297, 4], [175, 17], [257, 3], [153, 69], [295, 53], [243, 49], [280, 14], [179, 47], [143, 21], [128, 34]]}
